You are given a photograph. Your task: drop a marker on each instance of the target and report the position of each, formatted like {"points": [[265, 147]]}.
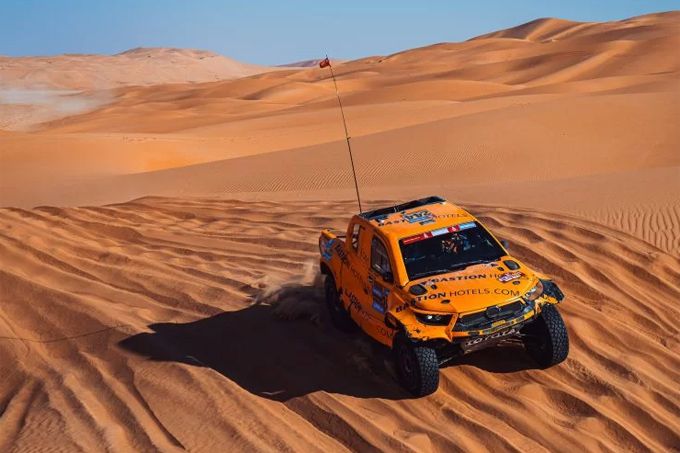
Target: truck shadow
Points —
{"points": [[504, 358], [267, 353]]}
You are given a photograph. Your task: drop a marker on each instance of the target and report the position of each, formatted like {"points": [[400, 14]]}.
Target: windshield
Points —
{"points": [[448, 249]]}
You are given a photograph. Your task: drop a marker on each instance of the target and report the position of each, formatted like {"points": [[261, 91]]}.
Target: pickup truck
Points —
{"points": [[428, 280]]}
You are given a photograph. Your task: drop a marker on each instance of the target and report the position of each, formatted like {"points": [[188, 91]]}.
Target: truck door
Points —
{"points": [[355, 277], [381, 283]]}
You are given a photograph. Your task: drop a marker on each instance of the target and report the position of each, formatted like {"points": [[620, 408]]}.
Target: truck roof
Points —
{"points": [[417, 216]]}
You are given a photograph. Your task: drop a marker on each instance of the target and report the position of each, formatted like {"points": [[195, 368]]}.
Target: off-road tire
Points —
{"points": [[417, 366], [339, 316], [547, 341]]}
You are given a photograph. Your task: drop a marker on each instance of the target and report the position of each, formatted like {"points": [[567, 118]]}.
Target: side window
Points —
{"points": [[380, 261], [356, 232]]}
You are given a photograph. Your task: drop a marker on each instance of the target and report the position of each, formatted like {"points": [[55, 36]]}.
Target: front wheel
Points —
{"points": [[546, 339], [417, 366]]}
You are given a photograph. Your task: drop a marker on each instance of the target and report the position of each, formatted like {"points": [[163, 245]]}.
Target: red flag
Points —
{"points": [[325, 62]]}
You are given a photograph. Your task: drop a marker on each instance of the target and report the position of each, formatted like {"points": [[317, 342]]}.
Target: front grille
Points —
{"points": [[482, 320]]}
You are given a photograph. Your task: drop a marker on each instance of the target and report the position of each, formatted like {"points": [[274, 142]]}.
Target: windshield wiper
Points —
{"points": [[428, 273], [459, 266]]}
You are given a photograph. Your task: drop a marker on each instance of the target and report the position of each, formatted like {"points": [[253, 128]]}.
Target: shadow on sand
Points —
{"points": [[273, 356]]}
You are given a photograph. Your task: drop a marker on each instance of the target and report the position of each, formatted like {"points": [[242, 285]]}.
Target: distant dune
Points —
{"points": [[540, 107], [34, 90], [140, 66], [191, 317]]}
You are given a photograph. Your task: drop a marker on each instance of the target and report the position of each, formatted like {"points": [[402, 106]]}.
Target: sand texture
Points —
{"points": [[198, 323], [191, 317]]}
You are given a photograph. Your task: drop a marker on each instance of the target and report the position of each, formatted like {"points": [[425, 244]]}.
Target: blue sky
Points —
{"points": [[275, 32]]}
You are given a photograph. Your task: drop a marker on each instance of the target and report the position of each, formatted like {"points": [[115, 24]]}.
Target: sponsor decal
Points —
{"points": [[467, 292], [353, 302], [366, 317], [328, 249], [401, 308], [337, 248], [380, 308], [484, 291], [382, 221], [455, 278], [423, 216], [431, 296], [380, 294], [493, 336], [455, 215], [509, 276]]}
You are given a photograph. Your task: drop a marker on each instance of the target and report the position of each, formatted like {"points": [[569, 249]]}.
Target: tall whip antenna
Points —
{"points": [[322, 64]]}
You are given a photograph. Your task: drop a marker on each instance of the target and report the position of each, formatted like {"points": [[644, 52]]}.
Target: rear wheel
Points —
{"points": [[339, 316], [546, 339], [417, 366]]}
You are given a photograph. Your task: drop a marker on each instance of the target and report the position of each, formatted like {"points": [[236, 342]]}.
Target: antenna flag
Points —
{"points": [[327, 63]]}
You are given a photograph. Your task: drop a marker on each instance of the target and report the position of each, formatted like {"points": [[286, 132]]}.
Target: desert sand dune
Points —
{"points": [[551, 153], [140, 66], [35, 90], [191, 317], [530, 108], [117, 316]]}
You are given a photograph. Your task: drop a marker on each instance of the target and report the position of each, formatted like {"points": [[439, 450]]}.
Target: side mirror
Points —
{"points": [[505, 244]]}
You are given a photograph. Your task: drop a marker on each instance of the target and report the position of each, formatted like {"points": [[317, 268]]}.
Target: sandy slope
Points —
{"points": [[157, 323], [557, 111], [116, 317]]}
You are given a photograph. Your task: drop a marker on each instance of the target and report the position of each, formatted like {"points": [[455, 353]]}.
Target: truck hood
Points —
{"points": [[474, 288]]}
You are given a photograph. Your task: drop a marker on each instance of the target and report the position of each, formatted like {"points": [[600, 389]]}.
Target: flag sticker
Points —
{"points": [[465, 226], [438, 232]]}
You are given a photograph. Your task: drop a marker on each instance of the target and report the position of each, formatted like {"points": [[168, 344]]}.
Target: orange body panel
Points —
{"points": [[380, 306]]}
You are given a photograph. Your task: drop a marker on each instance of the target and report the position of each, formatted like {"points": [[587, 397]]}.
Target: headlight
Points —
{"points": [[434, 320], [535, 292]]}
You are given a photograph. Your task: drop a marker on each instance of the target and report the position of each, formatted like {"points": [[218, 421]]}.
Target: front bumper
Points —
{"points": [[527, 312], [471, 331], [485, 328]]}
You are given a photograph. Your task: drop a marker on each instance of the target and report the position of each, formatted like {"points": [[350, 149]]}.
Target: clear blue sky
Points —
{"points": [[275, 32]]}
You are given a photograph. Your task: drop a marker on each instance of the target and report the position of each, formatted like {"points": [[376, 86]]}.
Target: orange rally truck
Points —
{"points": [[428, 280]]}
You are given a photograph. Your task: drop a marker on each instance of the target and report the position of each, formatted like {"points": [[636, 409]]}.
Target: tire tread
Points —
{"points": [[558, 334]]}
